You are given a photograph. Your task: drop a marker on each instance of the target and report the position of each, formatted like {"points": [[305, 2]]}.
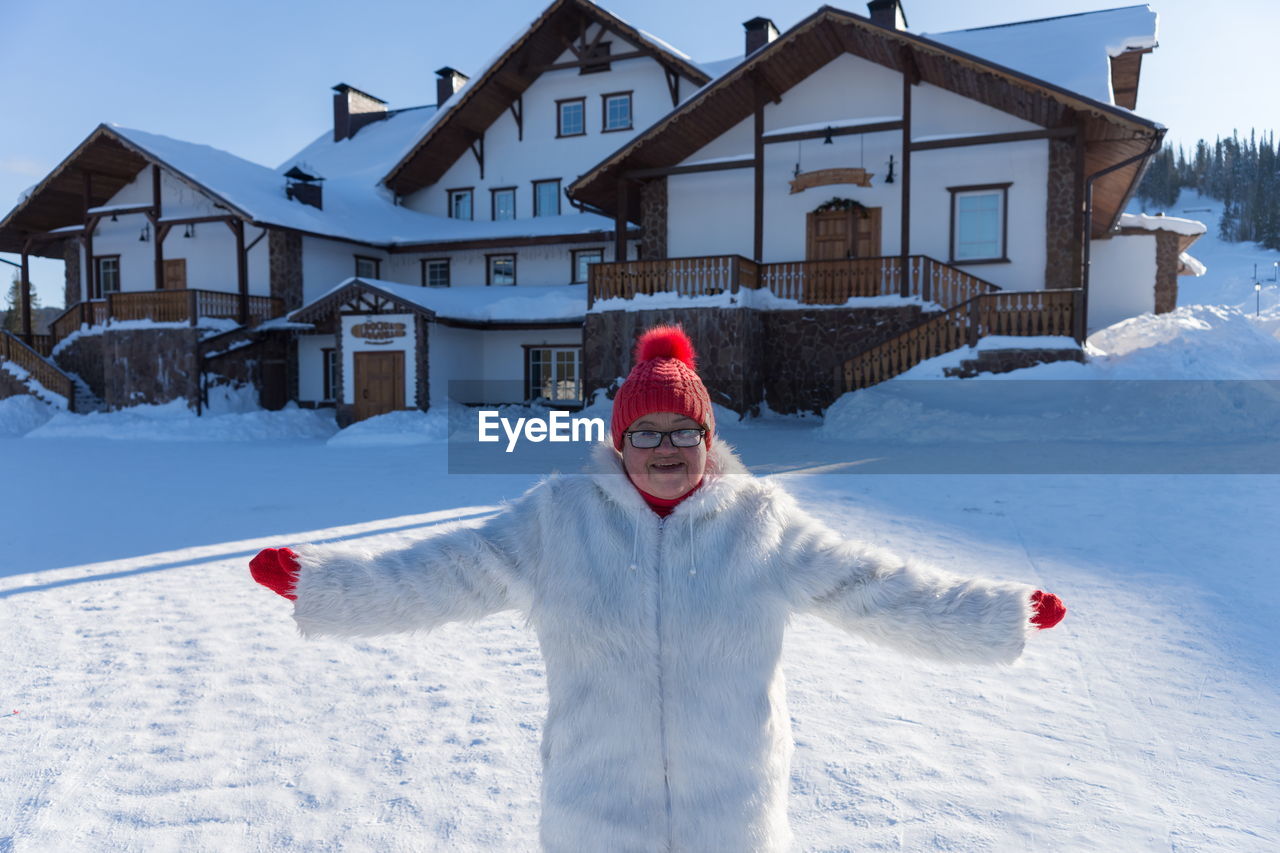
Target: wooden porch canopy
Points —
{"points": [[562, 26], [1110, 135]]}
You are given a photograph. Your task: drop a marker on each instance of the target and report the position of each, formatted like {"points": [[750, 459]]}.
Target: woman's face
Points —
{"points": [[664, 471]]}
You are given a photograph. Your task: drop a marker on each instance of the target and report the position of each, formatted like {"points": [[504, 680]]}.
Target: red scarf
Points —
{"points": [[663, 506]]}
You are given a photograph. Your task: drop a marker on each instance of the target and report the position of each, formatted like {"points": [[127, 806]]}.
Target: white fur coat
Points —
{"points": [[668, 727]]}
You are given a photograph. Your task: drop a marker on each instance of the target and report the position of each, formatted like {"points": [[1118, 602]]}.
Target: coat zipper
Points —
{"points": [[662, 717]]}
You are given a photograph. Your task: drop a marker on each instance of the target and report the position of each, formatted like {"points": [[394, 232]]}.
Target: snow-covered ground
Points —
{"points": [[163, 701]]}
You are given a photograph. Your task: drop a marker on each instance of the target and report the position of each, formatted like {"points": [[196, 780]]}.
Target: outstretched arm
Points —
{"points": [[913, 608], [346, 589]]}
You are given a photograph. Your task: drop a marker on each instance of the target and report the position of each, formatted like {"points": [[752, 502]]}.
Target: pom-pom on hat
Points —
{"points": [[664, 379]]}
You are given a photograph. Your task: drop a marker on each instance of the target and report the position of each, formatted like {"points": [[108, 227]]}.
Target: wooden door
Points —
{"points": [[379, 383], [175, 274], [835, 235]]}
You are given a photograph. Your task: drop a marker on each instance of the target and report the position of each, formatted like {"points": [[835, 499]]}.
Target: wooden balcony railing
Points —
{"points": [[809, 282], [163, 306], [53, 379], [1017, 313]]}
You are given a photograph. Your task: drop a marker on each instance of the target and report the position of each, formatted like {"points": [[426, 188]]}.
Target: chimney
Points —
{"points": [[760, 31], [888, 14], [353, 109], [448, 81]]}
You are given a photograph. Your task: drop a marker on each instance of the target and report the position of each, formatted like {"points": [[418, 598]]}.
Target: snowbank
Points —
{"points": [[21, 414], [395, 428], [174, 421]]}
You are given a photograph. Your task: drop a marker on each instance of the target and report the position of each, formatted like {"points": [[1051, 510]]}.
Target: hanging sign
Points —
{"points": [[823, 177], [378, 331]]}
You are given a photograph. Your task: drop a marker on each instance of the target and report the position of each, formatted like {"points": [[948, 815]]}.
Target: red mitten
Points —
{"points": [[277, 570], [1048, 608]]}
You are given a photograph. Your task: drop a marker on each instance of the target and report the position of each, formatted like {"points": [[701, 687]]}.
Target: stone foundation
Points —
{"points": [[83, 357], [793, 360], [653, 219], [1006, 360], [150, 366]]}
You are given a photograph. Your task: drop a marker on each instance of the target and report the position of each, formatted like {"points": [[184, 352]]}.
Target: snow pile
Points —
{"points": [[395, 429], [1197, 374], [174, 421], [21, 414], [761, 299], [1175, 224]]}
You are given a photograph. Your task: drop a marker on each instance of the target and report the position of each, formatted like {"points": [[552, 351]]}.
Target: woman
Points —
{"points": [[659, 585]]}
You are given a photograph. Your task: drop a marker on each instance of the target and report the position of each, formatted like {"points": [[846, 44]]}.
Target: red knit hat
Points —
{"points": [[664, 379]]}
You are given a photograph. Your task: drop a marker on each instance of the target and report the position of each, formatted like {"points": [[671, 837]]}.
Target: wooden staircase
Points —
{"points": [[43, 379], [1016, 313]]}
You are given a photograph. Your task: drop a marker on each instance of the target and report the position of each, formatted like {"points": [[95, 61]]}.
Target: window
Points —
{"points": [[367, 267], [554, 373], [504, 203], [329, 361], [617, 111], [979, 223], [460, 204], [546, 198], [582, 259], [500, 269], [106, 275], [600, 51], [571, 117], [435, 272]]}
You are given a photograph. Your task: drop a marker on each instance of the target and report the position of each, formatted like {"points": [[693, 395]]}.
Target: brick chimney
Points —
{"points": [[760, 31], [448, 81], [888, 13], [353, 109]]}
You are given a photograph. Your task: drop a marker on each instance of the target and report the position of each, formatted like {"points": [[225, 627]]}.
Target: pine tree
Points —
{"points": [[13, 318]]}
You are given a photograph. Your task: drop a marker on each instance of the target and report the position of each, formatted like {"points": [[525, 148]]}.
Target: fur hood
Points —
{"points": [[667, 727]]}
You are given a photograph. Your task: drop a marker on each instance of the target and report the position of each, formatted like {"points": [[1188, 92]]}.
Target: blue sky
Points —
{"points": [[254, 79]]}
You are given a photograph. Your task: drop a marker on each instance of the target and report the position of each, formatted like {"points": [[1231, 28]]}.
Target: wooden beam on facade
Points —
{"points": [[905, 241], [994, 138], [517, 113], [91, 269], [509, 242], [874, 127], [478, 153], [673, 85], [597, 60], [26, 293], [757, 244], [154, 216], [242, 273]]}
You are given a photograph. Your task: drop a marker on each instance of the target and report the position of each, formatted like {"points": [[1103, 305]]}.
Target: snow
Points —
{"points": [[1193, 266], [759, 298], [529, 304], [1072, 51], [1185, 227], [354, 207], [165, 702], [21, 374]]}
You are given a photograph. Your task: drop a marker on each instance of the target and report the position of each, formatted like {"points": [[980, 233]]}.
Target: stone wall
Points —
{"points": [[793, 360], [150, 366], [653, 219], [11, 386], [284, 251], [71, 259], [1166, 272], [247, 365], [83, 357], [1063, 221]]}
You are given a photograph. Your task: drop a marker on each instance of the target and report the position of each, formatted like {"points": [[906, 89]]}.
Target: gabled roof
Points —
{"points": [[355, 207], [484, 98], [1112, 134]]}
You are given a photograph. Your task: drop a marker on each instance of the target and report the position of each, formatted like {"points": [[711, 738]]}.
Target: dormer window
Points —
{"points": [[571, 117]]}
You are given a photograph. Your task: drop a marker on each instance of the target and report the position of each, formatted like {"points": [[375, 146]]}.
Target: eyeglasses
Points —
{"points": [[647, 439]]}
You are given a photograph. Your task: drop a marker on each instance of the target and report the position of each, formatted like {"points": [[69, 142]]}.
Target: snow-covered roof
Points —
{"points": [[355, 207], [1185, 227], [1071, 51], [529, 304]]}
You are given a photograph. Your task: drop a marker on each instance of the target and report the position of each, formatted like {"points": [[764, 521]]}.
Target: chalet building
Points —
{"points": [[824, 210]]}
